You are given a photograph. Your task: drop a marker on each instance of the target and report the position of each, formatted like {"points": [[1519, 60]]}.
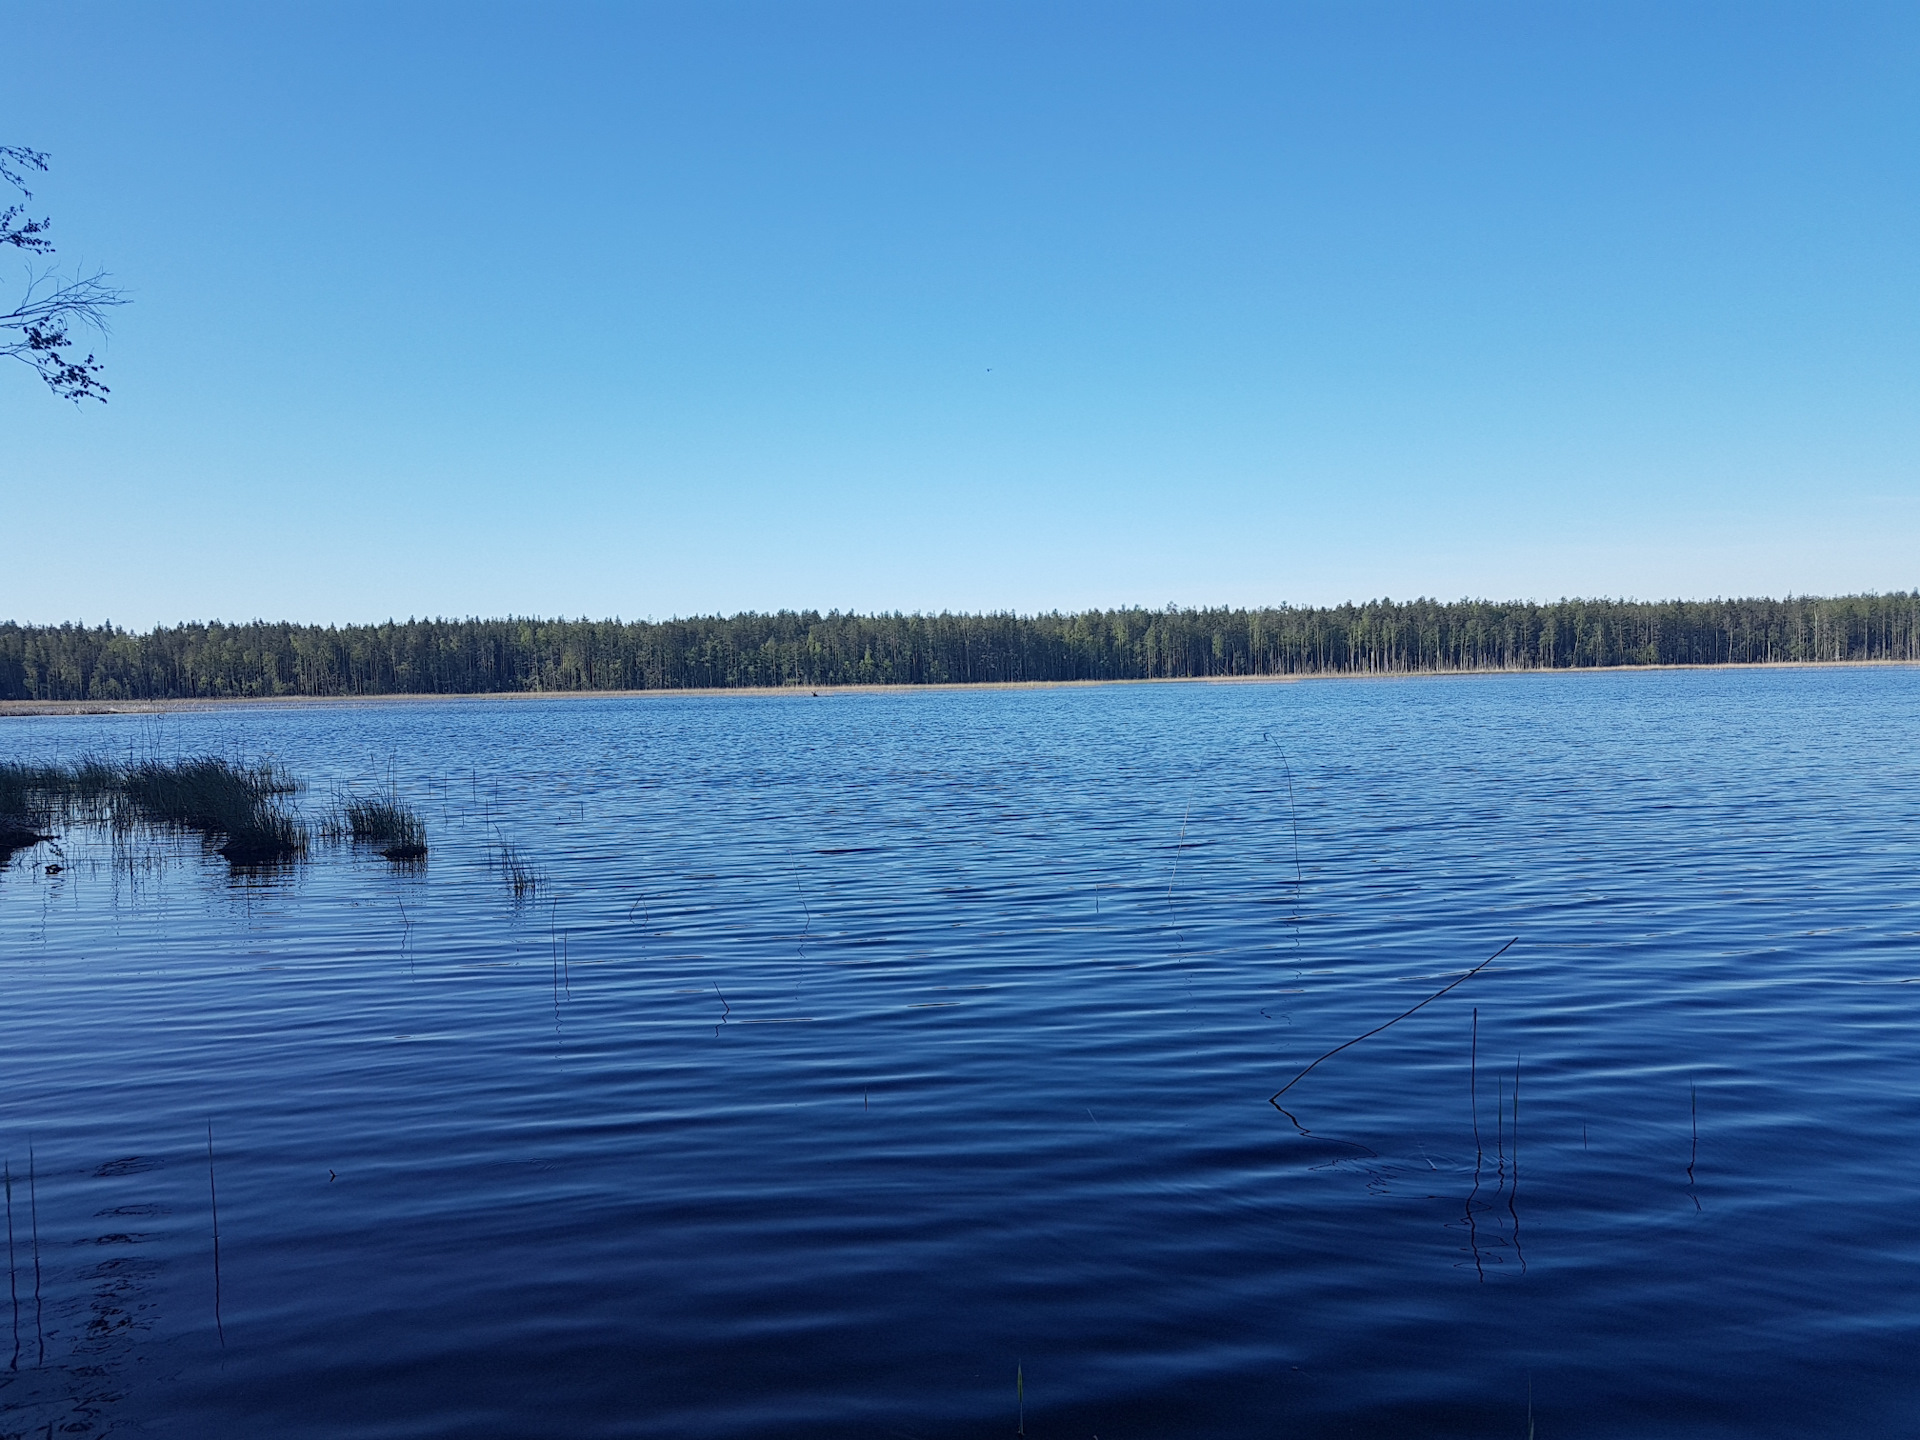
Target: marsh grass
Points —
{"points": [[33, 798], [200, 793], [332, 826], [520, 874], [240, 804], [24, 811], [217, 797], [394, 827], [386, 823]]}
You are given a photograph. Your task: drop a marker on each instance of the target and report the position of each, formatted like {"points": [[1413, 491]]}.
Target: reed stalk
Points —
{"points": [[522, 877]]}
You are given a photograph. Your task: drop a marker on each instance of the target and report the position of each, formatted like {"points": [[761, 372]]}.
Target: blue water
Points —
{"points": [[899, 1065]]}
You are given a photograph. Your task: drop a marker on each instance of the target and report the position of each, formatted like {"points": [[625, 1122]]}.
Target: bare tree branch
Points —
{"points": [[20, 233], [19, 155], [38, 330]]}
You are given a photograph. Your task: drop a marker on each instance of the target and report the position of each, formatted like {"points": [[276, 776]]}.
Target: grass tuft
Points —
{"points": [[396, 828], [519, 873], [240, 803], [218, 797], [24, 811]]}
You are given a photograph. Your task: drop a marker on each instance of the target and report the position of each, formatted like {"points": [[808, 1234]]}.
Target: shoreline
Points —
{"points": [[25, 709]]}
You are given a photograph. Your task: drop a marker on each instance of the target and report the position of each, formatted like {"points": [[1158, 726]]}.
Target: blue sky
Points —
{"points": [[651, 310]]}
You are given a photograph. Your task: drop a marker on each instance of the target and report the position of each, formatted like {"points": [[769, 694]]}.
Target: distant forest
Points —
{"points": [[1383, 637]]}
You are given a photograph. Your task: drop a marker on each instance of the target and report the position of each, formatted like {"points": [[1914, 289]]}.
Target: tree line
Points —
{"points": [[806, 648]]}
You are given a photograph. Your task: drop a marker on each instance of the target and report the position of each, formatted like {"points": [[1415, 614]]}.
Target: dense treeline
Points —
{"points": [[74, 662]]}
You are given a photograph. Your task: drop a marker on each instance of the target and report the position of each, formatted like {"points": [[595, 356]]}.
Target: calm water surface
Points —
{"points": [[859, 1054]]}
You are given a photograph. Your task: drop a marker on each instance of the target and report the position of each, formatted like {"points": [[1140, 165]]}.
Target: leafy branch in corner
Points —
{"points": [[38, 330]]}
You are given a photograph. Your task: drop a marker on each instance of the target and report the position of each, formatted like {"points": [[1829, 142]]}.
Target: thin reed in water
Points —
{"points": [[1274, 1099], [213, 1204], [1473, 1080], [13, 1281], [1173, 874], [1293, 815], [1479, 1151], [33, 1213], [1499, 1131], [1513, 1189], [519, 873], [1693, 1155]]}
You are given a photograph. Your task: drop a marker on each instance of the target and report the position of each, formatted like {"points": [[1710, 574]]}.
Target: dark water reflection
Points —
{"points": [[854, 1052]]}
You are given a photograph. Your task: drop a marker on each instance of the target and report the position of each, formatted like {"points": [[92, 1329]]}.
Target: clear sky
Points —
{"points": [[651, 310]]}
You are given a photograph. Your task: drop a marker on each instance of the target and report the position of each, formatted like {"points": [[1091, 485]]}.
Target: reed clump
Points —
{"points": [[33, 798], [522, 877], [217, 797], [332, 825], [389, 824], [23, 810], [240, 804]]}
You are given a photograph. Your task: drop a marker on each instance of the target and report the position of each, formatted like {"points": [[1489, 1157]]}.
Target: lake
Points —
{"points": [[899, 1064]]}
